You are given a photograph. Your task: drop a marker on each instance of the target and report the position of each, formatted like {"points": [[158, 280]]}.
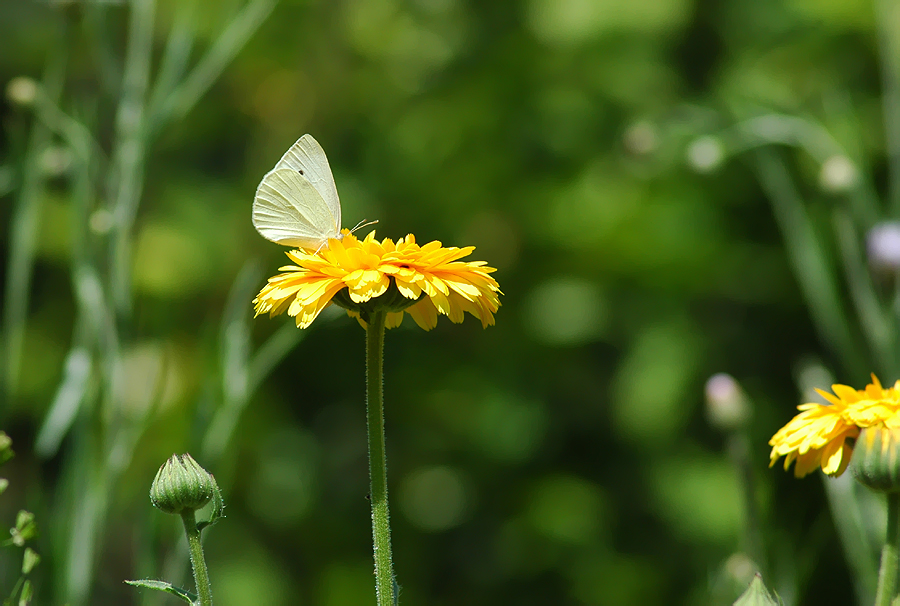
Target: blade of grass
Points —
{"points": [[176, 54], [272, 352], [864, 202], [240, 373], [815, 140], [809, 260], [127, 174], [176, 105], [24, 228], [105, 56], [876, 324], [74, 133], [66, 403], [86, 509], [887, 22]]}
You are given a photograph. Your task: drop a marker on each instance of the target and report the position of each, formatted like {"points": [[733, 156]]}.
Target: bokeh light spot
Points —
{"points": [[284, 485], [566, 311], [434, 498], [699, 496], [565, 508], [652, 383]]}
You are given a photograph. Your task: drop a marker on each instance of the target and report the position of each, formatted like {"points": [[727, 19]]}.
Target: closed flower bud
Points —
{"points": [[181, 484], [876, 459], [727, 407]]}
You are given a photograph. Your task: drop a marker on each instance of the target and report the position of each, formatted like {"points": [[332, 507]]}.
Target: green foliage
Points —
{"points": [[24, 530], [601, 154]]}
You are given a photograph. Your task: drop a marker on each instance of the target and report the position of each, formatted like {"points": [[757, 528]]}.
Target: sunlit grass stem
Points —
{"points": [[888, 29], [127, 176], [381, 529], [809, 258], [24, 232]]}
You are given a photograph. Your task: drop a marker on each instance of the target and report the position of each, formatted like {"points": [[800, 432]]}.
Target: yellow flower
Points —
{"points": [[367, 275], [823, 435]]}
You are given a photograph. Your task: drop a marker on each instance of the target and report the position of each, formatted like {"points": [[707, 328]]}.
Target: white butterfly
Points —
{"points": [[296, 203]]}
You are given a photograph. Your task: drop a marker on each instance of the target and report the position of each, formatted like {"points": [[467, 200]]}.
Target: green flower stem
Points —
{"points": [[198, 561], [381, 527], [739, 450], [887, 577]]}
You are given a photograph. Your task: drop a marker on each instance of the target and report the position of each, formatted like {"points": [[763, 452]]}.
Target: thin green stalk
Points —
{"points": [[877, 326], [810, 261], [888, 27], [198, 561], [739, 451], [127, 174], [24, 231], [887, 576], [82, 512], [177, 103], [849, 521], [381, 528]]}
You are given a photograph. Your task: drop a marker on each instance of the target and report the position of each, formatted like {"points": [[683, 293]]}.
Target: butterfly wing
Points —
{"points": [[289, 210], [308, 158]]}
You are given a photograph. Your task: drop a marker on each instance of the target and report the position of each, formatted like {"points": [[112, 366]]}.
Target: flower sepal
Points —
{"points": [[392, 301], [876, 459]]}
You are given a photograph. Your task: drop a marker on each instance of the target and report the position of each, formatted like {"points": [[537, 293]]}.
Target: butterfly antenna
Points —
{"points": [[363, 223]]}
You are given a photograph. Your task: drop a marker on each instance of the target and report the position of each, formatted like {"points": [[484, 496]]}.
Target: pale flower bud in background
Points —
{"points": [[838, 174], [101, 221], [7, 179], [55, 160], [727, 407], [741, 568], [641, 138], [21, 90], [883, 246], [705, 154]]}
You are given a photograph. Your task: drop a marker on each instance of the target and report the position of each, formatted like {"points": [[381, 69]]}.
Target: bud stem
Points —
{"points": [[381, 529], [739, 450], [887, 576], [198, 561]]}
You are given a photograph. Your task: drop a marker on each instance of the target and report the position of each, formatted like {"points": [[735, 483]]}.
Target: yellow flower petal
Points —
{"points": [[820, 435], [431, 274]]}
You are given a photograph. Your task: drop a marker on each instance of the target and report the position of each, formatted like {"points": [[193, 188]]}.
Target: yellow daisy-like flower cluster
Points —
{"points": [[430, 281], [822, 435]]}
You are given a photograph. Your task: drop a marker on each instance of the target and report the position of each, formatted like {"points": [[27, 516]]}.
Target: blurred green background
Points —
{"points": [[560, 457]]}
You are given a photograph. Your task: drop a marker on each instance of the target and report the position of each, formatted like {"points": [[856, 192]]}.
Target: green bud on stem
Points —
{"points": [[181, 484], [876, 459]]}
